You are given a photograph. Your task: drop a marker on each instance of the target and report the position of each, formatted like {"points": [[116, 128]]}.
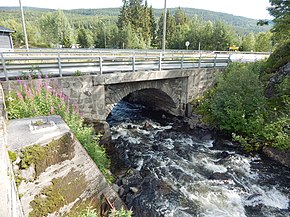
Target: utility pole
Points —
{"points": [[23, 26], [164, 27]]}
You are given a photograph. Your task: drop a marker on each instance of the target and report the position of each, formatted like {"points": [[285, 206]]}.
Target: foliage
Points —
{"points": [[114, 213], [277, 133], [39, 98], [121, 213], [134, 19], [89, 213], [263, 42], [77, 73], [279, 57], [248, 43], [12, 155], [233, 109], [56, 29], [84, 38], [237, 105], [280, 10], [101, 28]]}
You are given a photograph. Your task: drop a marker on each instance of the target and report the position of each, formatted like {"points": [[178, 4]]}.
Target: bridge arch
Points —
{"points": [[152, 95]]}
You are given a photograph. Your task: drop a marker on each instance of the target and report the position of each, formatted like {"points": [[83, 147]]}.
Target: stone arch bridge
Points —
{"points": [[170, 90]]}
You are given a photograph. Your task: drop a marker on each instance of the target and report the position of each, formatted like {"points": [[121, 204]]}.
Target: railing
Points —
{"points": [[65, 63]]}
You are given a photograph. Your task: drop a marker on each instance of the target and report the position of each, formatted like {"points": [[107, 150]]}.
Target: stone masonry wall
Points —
{"points": [[96, 95], [200, 81]]}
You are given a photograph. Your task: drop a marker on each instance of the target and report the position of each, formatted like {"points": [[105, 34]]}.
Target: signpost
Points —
{"points": [[187, 43]]}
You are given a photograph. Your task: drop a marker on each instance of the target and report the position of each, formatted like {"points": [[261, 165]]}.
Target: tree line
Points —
{"points": [[136, 28]]}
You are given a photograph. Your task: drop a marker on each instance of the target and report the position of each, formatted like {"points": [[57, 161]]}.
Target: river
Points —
{"points": [[164, 169]]}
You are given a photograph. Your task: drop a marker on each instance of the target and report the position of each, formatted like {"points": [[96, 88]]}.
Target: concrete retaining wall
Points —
{"points": [[79, 166], [9, 202], [61, 165]]}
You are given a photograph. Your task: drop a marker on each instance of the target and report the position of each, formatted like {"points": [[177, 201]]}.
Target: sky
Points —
{"points": [[256, 9]]}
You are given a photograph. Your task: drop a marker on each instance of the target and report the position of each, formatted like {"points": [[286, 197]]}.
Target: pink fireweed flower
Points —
{"points": [[24, 85], [20, 81], [51, 110], [29, 93], [19, 95], [46, 81], [75, 108], [38, 87]]}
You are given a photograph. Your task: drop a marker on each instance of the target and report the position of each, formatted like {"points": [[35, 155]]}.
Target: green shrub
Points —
{"points": [[279, 57], [114, 213], [238, 103], [121, 213], [89, 213], [238, 106], [277, 133], [12, 155]]}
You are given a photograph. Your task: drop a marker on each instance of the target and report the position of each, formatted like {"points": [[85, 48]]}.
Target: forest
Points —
{"points": [[136, 25]]}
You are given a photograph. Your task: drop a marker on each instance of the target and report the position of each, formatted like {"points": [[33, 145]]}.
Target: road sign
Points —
{"points": [[187, 44]]}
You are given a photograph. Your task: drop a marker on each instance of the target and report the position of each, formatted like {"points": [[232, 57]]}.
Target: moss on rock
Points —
{"points": [[44, 156], [12, 155], [62, 191]]}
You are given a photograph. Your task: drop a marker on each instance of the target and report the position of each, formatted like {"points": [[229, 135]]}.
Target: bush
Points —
{"points": [[238, 106], [114, 213], [89, 213], [121, 213], [38, 98], [279, 57]]}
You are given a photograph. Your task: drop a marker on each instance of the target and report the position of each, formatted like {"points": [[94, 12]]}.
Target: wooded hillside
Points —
{"points": [[98, 28]]}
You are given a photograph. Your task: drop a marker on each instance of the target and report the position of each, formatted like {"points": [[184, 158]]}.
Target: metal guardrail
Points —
{"points": [[67, 62]]}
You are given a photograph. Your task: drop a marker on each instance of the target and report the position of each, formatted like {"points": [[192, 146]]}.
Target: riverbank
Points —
{"points": [[280, 156], [164, 168]]}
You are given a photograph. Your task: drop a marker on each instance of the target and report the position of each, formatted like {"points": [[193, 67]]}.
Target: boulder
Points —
{"points": [[281, 156]]}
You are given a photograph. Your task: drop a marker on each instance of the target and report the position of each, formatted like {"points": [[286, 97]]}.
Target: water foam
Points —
{"points": [[268, 197]]}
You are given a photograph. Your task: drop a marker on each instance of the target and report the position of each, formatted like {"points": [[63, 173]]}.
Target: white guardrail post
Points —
{"points": [[101, 65], [4, 67], [133, 62], [59, 64], [214, 65], [181, 62], [160, 62], [199, 61], [229, 59]]}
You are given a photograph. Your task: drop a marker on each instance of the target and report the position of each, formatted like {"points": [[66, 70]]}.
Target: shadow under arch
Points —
{"points": [[153, 98]]}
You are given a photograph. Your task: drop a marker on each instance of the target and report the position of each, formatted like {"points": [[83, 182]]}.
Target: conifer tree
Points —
{"points": [[280, 9]]}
